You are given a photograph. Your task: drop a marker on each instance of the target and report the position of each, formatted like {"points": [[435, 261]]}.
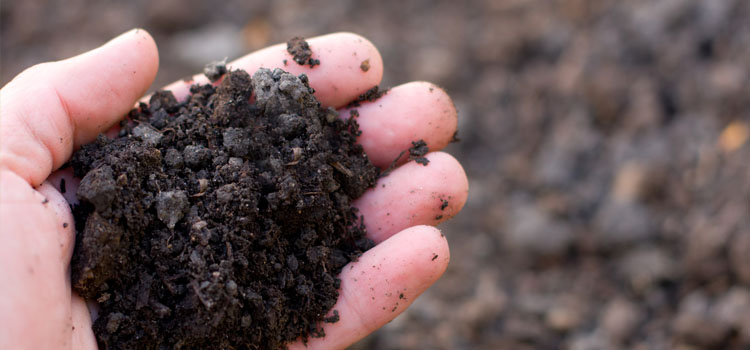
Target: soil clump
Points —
{"points": [[221, 221], [300, 50]]}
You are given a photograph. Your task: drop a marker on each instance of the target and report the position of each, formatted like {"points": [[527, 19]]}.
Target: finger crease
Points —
{"points": [[66, 110]]}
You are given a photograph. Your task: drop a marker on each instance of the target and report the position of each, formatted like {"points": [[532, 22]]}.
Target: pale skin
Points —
{"points": [[49, 110]]}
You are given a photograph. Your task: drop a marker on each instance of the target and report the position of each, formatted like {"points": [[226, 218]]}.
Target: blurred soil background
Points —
{"points": [[606, 144]]}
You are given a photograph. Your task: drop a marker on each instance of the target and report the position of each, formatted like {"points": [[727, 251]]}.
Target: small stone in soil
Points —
{"points": [[215, 70]]}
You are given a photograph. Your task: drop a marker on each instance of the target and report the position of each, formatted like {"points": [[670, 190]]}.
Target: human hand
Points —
{"points": [[51, 109]]}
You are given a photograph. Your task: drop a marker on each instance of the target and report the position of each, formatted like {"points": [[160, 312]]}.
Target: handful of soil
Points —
{"points": [[220, 222]]}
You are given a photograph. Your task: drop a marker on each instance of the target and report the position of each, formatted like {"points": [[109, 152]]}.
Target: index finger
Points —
{"points": [[349, 66]]}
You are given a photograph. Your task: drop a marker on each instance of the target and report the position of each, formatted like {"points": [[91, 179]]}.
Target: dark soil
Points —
{"points": [[417, 152], [300, 49], [215, 70], [217, 223], [370, 95], [603, 213]]}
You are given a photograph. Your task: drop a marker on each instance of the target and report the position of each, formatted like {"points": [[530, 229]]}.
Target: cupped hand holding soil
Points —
{"points": [[76, 99]]}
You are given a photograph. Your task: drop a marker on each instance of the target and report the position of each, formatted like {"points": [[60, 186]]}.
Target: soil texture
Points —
{"points": [[417, 152], [300, 50], [370, 95], [217, 222], [606, 143]]}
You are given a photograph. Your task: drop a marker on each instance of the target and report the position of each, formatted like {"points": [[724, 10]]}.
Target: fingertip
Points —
{"points": [[367, 54], [409, 112], [141, 52], [414, 194], [382, 284], [441, 116], [455, 175], [349, 66], [433, 246], [149, 51]]}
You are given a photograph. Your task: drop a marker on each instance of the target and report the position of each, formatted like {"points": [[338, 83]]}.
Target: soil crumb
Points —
{"points": [[370, 95], [220, 223], [455, 137], [301, 52], [215, 70], [417, 152], [365, 66]]}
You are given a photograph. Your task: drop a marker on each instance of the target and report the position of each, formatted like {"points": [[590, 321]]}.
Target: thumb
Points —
{"points": [[47, 111], [51, 108]]}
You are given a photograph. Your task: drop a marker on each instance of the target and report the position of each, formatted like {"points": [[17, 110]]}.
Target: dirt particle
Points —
{"points": [[444, 204], [98, 187], [171, 206], [147, 134], [301, 52], [434, 257], [370, 95], [62, 186], [365, 65], [65, 225], [254, 258], [438, 217], [332, 319], [45, 201], [417, 151], [215, 70]]}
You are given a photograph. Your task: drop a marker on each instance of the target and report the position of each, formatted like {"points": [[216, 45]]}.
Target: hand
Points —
{"points": [[51, 109]]}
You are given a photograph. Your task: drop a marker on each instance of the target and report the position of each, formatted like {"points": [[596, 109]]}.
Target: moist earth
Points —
{"points": [[301, 52], [220, 222]]}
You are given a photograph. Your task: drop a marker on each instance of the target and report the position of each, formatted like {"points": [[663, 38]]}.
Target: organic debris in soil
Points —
{"points": [[219, 223], [417, 152], [370, 95], [301, 52]]}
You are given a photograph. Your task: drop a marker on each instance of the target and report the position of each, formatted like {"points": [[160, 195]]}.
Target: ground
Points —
{"points": [[606, 143]]}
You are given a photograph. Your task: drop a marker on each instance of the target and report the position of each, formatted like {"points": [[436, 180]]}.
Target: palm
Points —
{"points": [[37, 309]]}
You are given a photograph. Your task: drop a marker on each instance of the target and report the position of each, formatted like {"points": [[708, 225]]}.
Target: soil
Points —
{"points": [[300, 50], [215, 70], [417, 152], [608, 180], [370, 95], [217, 222]]}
